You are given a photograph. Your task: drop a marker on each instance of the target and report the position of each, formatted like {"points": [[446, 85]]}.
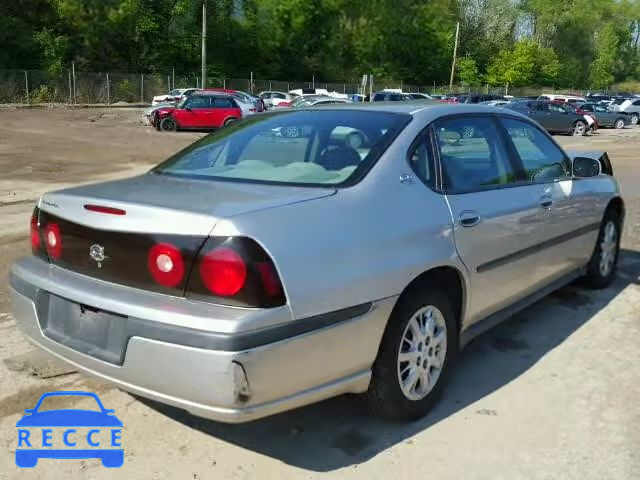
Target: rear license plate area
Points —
{"points": [[89, 330]]}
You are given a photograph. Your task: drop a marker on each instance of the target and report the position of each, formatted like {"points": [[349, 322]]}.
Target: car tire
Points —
{"points": [[392, 394], [168, 124], [634, 118], [579, 128], [619, 123], [601, 269], [229, 121]]}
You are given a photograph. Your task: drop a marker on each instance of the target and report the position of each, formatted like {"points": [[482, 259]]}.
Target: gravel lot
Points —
{"points": [[551, 394]]}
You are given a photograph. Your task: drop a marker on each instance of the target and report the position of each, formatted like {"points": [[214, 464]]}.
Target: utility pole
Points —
{"points": [[455, 53], [73, 73], [204, 44]]}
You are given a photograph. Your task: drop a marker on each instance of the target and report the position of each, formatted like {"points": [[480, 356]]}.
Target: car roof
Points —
{"points": [[423, 109], [210, 93]]}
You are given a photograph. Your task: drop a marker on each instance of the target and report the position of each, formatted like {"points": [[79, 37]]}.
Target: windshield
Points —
{"points": [[619, 101], [322, 147], [182, 102], [242, 97], [175, 93]]}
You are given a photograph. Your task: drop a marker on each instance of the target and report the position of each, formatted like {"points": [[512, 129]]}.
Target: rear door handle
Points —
{"points": [[469, 218]]}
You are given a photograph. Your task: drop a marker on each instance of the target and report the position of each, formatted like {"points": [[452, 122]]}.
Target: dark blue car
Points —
{"points": [[104, 418]]}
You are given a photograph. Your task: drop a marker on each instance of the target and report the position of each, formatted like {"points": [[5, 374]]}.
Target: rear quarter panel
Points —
{"points": [[364, 243]]}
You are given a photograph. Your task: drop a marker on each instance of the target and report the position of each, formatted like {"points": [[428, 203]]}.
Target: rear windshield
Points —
{"points": [[307, 148]]}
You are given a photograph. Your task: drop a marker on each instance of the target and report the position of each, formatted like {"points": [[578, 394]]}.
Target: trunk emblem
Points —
{"points": [[96, 252]]}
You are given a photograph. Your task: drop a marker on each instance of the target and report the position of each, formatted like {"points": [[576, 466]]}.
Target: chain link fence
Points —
{"points": [[75, 87]]}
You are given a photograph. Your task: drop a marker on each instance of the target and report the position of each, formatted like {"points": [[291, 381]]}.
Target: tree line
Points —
{"points": [[580, 44]]}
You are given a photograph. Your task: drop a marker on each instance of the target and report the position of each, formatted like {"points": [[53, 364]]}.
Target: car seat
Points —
{"points": [[339, 158]]}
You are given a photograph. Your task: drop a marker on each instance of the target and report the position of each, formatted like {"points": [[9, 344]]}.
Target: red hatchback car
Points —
{"points": [[198, 112]]}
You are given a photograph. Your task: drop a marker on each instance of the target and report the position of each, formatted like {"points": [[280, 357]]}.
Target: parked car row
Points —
{"points": [[196, 108], [215, 107]]}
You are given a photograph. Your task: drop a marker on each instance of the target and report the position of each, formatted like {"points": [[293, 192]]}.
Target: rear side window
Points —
{"points": [[542, 160], [637, 102], [554, 107], [198, 102], [223, 102], [472, 154], [421, 161], [301, 147], [378, 97]]}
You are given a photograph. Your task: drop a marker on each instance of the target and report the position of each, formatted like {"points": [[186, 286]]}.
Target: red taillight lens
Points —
{"points": [[269, 278], [235, 271], [35, 234], [165, 264], [223, 272], [53, 240]]}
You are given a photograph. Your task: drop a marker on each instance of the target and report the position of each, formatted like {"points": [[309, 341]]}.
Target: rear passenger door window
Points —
{"points": [[198, 103], [421, 161], [541, 159], [472, 154], [222, 102]]}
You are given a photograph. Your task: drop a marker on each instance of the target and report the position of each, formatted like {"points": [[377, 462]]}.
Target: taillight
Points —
{"points": [[53, 240], [36, 241], [165, 264], [223, 272], [235, 271]]}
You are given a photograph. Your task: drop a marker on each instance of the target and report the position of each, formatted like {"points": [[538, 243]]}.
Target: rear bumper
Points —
{"points": [[230, 367]]}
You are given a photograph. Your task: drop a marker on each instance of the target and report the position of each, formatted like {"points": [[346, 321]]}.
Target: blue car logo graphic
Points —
{"points": [[36, 433]]}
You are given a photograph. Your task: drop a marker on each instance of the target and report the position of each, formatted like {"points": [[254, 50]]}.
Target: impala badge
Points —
{"points": [[96, 252]]}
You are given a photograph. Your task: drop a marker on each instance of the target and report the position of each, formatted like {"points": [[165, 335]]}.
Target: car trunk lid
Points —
{"points": [[107, 230]]}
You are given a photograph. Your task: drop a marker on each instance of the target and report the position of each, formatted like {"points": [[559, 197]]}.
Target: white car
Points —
{"points": [[305, 92], [173, 96], [562, 98], [272, 98]]}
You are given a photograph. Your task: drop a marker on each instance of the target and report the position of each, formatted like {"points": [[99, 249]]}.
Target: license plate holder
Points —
{"points": [[98, 333]]}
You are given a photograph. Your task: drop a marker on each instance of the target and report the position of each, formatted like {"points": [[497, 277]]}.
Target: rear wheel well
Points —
{"points": [[450, 280]]}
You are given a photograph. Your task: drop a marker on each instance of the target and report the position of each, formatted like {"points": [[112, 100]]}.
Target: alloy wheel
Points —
{"points": [[423, 348], [579, 129], [634, 118], [619, 124], [608, 248]]}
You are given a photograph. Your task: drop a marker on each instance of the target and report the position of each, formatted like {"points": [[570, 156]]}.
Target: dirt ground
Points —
{"points": [[550, 394]]}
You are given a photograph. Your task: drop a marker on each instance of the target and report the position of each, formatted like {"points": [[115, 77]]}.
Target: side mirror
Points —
{"points": [[188, 109], [584, 167], [29, 410]]}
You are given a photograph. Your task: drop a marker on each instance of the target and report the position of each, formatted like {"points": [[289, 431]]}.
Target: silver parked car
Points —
{"points": [[631, 106], [277, 262]]}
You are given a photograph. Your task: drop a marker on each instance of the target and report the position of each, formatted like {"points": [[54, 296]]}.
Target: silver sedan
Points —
{"points": [[309, 253]]}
